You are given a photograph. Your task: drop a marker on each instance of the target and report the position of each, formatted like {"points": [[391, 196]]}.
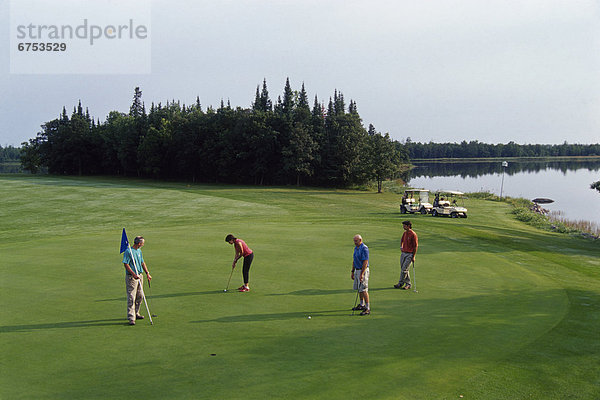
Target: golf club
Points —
{"points": [[414, 278], [146, 303], [355, 300], [229, 280]]}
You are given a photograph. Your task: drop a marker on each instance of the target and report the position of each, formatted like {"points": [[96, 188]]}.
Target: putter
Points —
{"points": [[356, 299], [146, 303], [355, 302], [229, 280], [414, 279]]}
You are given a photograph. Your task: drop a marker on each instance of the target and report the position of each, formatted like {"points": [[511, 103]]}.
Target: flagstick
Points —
{"points": [[142, 285]]}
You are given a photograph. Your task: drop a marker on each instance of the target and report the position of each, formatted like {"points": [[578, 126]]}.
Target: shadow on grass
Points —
{"points": [[62, 325], [170, 295], [323, 292], [492, 239], [277, 316]]}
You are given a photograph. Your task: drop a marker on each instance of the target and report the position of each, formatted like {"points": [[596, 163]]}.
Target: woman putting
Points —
{"points": [[241, 250]]}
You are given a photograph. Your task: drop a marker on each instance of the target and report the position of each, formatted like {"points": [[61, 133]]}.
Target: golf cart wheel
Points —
{"points": [[402, 209], [423, 210], [464, 216], [434, 213], [454, 215]]}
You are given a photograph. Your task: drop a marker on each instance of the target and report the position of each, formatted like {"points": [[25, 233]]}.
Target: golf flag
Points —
{"points": [[124, 242]]}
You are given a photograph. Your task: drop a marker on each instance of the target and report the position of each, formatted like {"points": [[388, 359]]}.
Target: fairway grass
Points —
{"points": [[503, 310]]}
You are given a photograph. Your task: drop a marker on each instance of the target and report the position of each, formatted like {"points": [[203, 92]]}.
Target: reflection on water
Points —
{"points": [[476, 169], [566, 182]]}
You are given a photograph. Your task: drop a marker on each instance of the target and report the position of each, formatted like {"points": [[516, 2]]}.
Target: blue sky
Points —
{"points": [[443, 71]]}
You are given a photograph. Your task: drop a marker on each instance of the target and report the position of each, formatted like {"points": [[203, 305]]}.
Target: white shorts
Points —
{"points": [[364, 285]]}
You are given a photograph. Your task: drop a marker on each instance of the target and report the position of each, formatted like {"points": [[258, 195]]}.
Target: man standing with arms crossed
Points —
{"points": [[360, 274], [409, 244]]}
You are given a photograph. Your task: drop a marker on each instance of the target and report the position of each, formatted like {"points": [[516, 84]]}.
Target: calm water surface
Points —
{"points": [[567, 183]]}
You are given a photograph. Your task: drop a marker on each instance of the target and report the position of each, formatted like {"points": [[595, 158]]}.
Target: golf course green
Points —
{"points": [[503, 310]]}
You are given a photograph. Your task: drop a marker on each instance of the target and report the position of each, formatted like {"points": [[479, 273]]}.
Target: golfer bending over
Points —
{"points": [[241, 250], [133, 279], [409, 244], [360, 274]]}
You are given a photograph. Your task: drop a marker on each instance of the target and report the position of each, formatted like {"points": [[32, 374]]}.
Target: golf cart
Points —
{"points": [[415, 201], [446, 204]]}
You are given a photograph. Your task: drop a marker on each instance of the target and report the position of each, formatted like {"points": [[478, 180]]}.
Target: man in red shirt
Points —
{"points": [[409, 244]]}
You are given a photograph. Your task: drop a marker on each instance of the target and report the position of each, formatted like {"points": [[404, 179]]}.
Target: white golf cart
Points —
{"points": [[415, 201], [449, 203]]}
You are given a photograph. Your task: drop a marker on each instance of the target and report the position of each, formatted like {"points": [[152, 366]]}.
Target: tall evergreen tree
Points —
{"points": [[287, 104], [136, 109], [262, 102]]}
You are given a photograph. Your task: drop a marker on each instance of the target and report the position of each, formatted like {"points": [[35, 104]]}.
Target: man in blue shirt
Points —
{"points": [[360, 274], [133, 279]]}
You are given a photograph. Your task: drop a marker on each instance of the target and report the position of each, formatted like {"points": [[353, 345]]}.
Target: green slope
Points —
{"points": [[503, 310]]}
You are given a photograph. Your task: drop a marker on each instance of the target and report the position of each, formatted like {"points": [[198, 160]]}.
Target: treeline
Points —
{"points": [[476, 149], [9, 153], [287, 142]]}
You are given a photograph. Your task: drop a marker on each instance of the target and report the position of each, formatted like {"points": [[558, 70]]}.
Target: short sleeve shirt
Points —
{"points": [[361, 253], [137, 256]]}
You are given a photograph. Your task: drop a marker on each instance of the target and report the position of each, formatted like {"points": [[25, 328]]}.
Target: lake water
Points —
{"points": [[567, 183]]}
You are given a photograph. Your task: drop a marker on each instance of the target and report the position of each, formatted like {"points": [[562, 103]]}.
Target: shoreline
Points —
{"points": [[500, 159]]}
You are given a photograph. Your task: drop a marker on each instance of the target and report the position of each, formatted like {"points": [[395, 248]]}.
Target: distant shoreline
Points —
{"points": [[500, 159]]}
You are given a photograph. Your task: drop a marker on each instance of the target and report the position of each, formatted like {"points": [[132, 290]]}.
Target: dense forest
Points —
{"points": [[285, 142], [476, 149], [9, 153], [281, 142]]}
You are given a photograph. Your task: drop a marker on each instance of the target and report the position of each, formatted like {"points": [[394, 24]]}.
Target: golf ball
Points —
{"points": [[309, 317], [224, 290]]}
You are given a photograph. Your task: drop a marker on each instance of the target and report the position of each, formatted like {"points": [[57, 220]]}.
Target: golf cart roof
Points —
{"points": [[416, 190], [455, 192]]}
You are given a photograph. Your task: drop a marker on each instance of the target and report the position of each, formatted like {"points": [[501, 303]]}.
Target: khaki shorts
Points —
{"points": [[364, 285]]}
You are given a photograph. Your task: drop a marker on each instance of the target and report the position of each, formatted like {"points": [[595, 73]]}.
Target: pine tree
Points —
{"points": [[352, 108], [265, 101], [339, 106], [303, 99], [64, 117], [136, 109], [372, 130], [256, 105], [317, 111], [287, 105]]}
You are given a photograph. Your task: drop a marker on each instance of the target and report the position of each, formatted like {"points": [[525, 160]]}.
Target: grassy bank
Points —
{"points": [[504, 310]]}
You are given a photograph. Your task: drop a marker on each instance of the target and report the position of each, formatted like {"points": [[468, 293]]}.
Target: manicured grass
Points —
{"points": [[503, 311]]}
